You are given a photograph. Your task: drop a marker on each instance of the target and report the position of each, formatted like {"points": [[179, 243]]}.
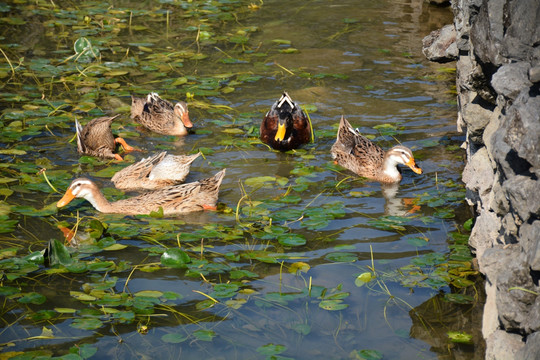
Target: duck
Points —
{"points": [[161, 116], [173, 200], [358, 154], [97, 139], [154, 172], [285, 126]]}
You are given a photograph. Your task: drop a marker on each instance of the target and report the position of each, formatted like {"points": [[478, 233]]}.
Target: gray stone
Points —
{"points": [[531, 349], [529, 235], [465, 12], [499, 62], [477, 114], [522, 125], [534, 74], [497, 200], [490, 317], [523, 29], [487, 34], [440, 45], [492, 126], [523, 194], [510, 228], [511, 79], [484, 233], [503, 346], [515, 290], [479, 175]]}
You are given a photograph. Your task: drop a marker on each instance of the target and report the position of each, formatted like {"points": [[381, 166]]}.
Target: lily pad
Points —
{"points": [[175, 258]]}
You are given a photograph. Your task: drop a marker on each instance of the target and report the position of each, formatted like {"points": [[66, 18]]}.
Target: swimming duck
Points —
{"points": [[154, 172], [285, 126], [161, 116], [97, 139], [356, 153], [178, 199]]}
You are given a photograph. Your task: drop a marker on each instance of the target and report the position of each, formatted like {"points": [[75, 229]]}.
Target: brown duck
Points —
{"points": [[97, 139], [356, 153], [285, 126], [154, 172], [178, 199], [161, 116]]}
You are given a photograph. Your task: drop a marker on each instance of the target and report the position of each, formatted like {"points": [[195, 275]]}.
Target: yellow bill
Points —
{"points": [[280, 134], [66, 199], [413, 166]]}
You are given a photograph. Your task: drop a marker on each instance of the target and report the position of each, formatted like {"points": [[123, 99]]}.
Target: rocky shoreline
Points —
{"points": [[497, 47]]}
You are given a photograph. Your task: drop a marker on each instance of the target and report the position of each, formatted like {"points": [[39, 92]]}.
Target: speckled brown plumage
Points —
{"points": [[289, 116], [161, 116], [154, 172], [356, 153], [97, 139], [178, 199]]}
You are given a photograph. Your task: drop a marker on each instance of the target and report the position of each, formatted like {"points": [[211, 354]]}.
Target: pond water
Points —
{"points": [[302, 259]]}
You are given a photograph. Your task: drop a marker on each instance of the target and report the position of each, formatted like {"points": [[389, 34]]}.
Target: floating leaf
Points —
{"points": [[332, 305], [86, 323], [460, 337], [291, 240], [363, 279], [174, 338], [65, 310], [32, 298], [299, 266], [271, 349], [260, 180], [175, 258], [366, 355], [149, 293], [204, 335], [8, 290], [341, 257], [116, 73]]}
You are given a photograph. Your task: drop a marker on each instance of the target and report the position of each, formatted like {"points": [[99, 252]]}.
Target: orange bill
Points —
{"points": [[413, 166], [122, 142], [186, 121], [66, 199], [280, 134], [68, 233]]}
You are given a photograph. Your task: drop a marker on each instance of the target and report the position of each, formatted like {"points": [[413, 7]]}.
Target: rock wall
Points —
{"points": [[498, 85]]}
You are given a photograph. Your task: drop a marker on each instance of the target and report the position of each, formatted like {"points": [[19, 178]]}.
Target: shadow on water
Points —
{"points": [[278, 270]]}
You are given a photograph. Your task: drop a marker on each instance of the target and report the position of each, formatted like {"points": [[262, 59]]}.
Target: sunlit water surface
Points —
{"points": [[376, 45]]}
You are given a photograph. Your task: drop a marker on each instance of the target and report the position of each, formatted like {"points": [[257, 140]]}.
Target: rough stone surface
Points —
{"points": [[440, 45], [534, 74], [510, 79], [529, 235], [479, 176], [503, 346], [498, 86], [531, 350], [485, 232]]}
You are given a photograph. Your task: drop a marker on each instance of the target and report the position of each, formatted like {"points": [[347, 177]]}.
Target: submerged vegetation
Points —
{"points": [[249, 278]]}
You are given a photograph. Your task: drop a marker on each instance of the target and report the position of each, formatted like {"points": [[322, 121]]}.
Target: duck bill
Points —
{"points": [[413, 166], [185, 120], [280, 134], [66, 199]]}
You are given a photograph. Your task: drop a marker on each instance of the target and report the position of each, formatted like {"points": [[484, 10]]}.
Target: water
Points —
{"points": [[367, 56]]}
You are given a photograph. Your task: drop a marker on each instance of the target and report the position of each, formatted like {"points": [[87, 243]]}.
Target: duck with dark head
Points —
{"points": [[285, 126]]}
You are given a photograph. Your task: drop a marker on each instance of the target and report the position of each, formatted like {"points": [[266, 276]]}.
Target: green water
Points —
{"points": [[274, 271]]}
